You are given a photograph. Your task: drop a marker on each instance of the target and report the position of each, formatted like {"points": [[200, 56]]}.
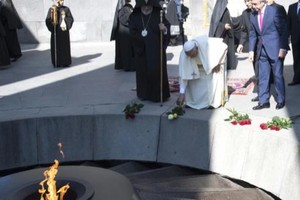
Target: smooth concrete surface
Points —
{"points": [[81, 107]]}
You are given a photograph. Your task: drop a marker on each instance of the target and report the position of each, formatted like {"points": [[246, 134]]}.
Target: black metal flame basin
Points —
{"points": [[86, 183]]}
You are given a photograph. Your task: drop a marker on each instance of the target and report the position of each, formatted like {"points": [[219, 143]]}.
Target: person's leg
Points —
{"points": [[296, 65], [279, 83], [264, 78]]}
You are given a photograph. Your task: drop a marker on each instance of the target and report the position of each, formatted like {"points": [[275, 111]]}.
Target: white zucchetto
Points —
{"points": [[188, 45]]}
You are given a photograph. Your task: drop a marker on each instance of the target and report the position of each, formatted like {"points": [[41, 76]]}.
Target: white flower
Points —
{"points": [[170, 116]]}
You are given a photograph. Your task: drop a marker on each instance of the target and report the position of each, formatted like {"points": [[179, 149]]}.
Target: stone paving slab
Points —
{"points": [[32, 82]]}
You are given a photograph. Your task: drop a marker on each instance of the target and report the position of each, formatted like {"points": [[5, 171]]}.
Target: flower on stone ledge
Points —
{"points": [[177, 111], [277, 124], [238, 118], [131, 109]]}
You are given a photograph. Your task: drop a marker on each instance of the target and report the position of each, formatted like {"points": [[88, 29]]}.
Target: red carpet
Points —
{"points": [[236, 86], [240, 86], [174, 83]]}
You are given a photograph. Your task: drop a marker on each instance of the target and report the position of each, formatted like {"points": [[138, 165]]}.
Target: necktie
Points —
{"points": [[298, 12], [260, 20]]}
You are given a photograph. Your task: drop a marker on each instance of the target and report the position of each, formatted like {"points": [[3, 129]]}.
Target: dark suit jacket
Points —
{"points": [[294, 24], [274, 33], [282, 12], [246, 26], [280, 8]]}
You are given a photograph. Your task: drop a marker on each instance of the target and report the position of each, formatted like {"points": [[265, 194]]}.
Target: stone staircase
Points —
{"points": [[168, 182]]}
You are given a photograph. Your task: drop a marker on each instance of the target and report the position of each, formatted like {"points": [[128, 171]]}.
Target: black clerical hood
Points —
{"points": [[216, 16], [140, 3]]}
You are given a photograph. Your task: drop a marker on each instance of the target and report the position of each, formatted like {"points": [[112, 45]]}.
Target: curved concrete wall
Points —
{"points": [[267, 160], [93, 19]]}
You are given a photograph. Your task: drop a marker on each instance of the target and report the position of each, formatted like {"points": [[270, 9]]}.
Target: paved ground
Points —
{"points": [[32, 87]]}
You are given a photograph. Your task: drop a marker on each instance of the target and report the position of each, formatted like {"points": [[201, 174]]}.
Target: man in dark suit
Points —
{"points": [[245, 28], [294, 32], [244, 40], [278, 6], [269, 39]]}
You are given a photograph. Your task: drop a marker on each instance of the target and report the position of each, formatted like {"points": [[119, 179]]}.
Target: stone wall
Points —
{"points": [[266, 160], [93, 19]]}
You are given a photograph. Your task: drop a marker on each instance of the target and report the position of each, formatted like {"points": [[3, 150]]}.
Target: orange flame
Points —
{"points": [[50, 193], [60, 149]]}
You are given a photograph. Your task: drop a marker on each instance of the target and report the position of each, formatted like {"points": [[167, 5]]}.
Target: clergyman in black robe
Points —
{"points": [[221, 27], [11, 22], [146, 28], [4, 55], [60, 36], [120, 33]]}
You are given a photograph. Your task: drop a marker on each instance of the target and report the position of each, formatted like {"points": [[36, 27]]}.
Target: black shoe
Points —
{"points": [[210, 107], [15, 58], [294, 83], [280, 105], [261, 106], [255, 99]]}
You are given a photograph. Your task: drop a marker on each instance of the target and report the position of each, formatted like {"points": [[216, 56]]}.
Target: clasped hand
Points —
{"points": [[162, 27], [282, 53]]}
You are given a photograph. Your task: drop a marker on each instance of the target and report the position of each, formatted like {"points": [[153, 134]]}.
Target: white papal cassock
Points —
{"points": [[203, 88]]}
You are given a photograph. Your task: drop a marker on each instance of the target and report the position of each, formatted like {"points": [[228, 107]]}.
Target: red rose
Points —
{"points": [[130, 116], [263, 126], [234, 122], [242, 122]]}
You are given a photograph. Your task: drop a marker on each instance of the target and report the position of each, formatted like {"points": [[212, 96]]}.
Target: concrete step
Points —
{"points": [[205, 194], [130, 168], [164, 172], [186, 183]]}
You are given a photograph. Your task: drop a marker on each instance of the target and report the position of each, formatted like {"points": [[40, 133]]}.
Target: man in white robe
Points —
{"points": [[202, 77]]}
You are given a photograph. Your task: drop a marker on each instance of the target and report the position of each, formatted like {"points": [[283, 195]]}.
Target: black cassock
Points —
{"points": [[11, 22], [60, 40], [147, 55], [4, 55], [121, 35], [219, 18]]}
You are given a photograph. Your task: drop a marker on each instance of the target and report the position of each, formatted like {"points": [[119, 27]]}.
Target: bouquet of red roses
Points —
{"points": [[238, 118], [277, 123], [131, 109]]}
